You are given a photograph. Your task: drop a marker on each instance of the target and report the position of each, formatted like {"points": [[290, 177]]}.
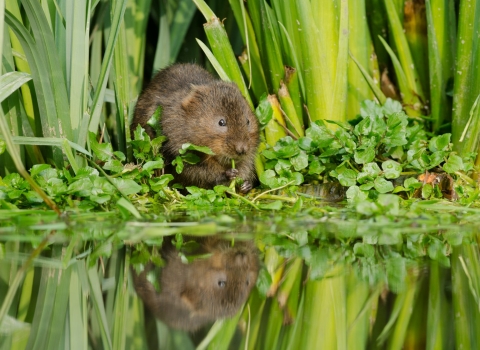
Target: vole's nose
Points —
{"points": [[241, 148]]}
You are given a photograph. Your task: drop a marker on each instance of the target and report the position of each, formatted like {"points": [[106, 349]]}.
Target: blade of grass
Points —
{"points": [[316, 81], [218, 68], [359, 44], [136, 20], [178, 28], [77, 35], [77, 311], [118, 10], [45, 44], [358, 293], [441, 43], [467, 78], [11, 81], [293, 121], [22, 65], [373, 86], [415, 29], [439, 317], [411, 101], [254, 73], [221, 48], [162, 53], [121, 303], [338, 105], [413, 83]]}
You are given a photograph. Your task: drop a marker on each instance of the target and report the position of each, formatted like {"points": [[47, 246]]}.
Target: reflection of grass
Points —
{"points": [[329, 278]]}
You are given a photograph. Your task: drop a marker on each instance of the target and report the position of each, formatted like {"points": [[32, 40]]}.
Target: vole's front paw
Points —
{"points": [[231, 174], [246, 186]]}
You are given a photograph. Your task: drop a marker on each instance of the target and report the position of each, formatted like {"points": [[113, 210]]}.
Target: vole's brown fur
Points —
{"points": [[195, 294], [194, 108]]}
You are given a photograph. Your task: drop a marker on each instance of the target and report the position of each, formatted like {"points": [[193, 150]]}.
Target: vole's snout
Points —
{"points": [[241, 148]]}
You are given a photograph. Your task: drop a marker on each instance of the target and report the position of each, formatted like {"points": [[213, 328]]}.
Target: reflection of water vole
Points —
{"points": [[194, 294], [201, 110]]}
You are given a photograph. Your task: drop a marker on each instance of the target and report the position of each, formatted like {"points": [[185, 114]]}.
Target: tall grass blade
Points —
{"points": [[316, 84], [22, 65], [221, 48], [467, 76], [359, 45], [77, 52], [118, 10], [371, 83], [180, 23], [250, 59], [162, 53], [439, 334], [213, 60], [293, 121], [121, 303], [338, 106], [98, 304], [11, 81], [415, 29], [465, 307], [410, 99], [413, 83], [77, 312], [440, 28]]}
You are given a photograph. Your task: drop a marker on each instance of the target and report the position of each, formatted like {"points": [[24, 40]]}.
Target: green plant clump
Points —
{"points": [[381, 151]]}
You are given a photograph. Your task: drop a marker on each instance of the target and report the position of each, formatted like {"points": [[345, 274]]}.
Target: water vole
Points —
{"points": [[195, 294], [204, 111]]}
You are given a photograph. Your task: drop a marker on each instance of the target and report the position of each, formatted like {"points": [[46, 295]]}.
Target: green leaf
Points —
{"points": [[391, 169], [427, 191], [264, 111], [178, 162], [439, 143], [319, 134], [382, 185], [103, 151], [151, 165], [113, 165], [299, 161], [412, 183], [369, 172], [363, 156], [363, 249], [126, 186], [190, 147], [346, 177], [453, 164]]}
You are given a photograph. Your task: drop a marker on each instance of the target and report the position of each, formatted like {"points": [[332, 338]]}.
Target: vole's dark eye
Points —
{"points": [[248, 282], [222, 122], [222, 284], [248, 121]]}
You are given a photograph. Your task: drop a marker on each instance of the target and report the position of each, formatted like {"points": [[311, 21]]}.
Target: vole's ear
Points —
{"points": [[194, 97]]}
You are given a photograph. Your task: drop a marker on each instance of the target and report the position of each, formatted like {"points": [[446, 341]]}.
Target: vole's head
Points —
{"points": [[219, 117], [228, 277]]}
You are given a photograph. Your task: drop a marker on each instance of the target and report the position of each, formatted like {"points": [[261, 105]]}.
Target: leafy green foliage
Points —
{"points": [[382, 151]]}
